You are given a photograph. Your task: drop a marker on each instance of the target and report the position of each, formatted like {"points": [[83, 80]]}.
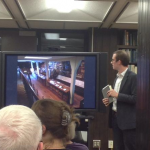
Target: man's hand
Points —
{"points": [[105, 101], [112, 93]]}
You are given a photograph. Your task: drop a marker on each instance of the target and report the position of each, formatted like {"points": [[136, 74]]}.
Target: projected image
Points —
{"points": [[61, 78], [57, 78]]}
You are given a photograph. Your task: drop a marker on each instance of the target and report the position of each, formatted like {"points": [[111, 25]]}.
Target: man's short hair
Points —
{"points": [[123, 56], [20, 128]]}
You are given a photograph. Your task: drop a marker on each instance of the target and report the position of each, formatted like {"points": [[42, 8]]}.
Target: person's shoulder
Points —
{"points": [[131, 73], [77, 146], [132, 76]]}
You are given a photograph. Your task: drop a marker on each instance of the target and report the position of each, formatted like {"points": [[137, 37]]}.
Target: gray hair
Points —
{"points": [[20, 128]]}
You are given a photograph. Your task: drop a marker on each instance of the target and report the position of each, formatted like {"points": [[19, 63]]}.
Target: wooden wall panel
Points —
{"points": [[143, 97], [89, 36], [11, 41], [105, 40]]}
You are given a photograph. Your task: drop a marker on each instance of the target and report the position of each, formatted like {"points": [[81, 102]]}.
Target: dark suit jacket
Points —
{"points": [[126, 102]]}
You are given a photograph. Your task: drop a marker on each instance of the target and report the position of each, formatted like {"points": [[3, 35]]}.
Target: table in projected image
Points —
{"points": [[60, 89]]}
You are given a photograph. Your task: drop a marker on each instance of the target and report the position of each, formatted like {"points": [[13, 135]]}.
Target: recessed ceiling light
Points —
{"points": [[64, 6]]}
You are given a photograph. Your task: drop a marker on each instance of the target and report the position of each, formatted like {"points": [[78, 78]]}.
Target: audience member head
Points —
{"points": [[20, 129], [56, 117]]}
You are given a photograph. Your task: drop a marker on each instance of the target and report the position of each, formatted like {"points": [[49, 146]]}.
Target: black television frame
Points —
{"points": [[1, 80], [101, 58]]}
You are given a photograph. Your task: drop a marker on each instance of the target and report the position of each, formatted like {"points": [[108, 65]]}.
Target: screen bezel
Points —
{"points": [[96, 54], [1, 103]]}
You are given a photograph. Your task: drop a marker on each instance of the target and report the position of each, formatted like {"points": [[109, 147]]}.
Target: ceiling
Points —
{"points": [[36, 14]]}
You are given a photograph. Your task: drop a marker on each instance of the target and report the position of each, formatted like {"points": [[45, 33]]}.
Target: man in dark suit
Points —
{"points": [[122, 113]]}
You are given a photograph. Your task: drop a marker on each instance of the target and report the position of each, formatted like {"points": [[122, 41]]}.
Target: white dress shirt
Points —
{"points": [[117, 88]]}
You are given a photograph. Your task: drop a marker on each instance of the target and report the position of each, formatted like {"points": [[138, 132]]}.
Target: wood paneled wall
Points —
{"points": [[11, 41], [143, 101], [105, 40]]}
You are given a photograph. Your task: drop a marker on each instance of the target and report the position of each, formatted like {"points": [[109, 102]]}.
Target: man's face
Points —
{"points": [[115, 64]]}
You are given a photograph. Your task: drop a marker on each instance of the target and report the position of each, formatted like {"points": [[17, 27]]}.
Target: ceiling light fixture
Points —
{"points": [[64, 6]]}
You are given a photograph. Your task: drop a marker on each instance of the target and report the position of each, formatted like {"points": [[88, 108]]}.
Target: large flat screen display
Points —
{"points": [[69, 77]]}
